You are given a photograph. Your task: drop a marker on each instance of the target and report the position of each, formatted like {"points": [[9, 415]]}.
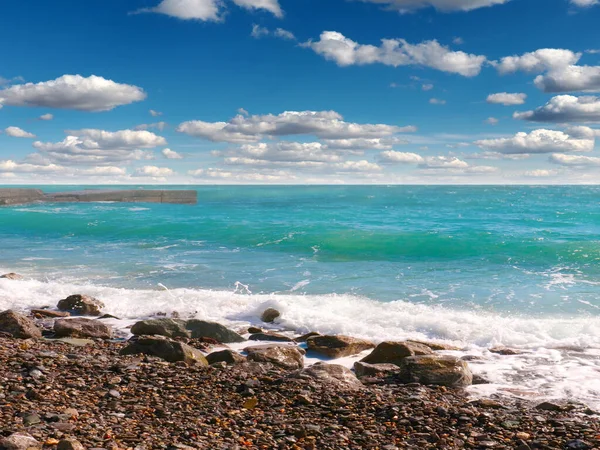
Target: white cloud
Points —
{"points": [[258, 32], [171, 154], [401, 157], [538, 61], [336, 47], [357, 166], [570, 79], [565, 108], [444, 162], [205, 10], [18, 132], [427, 87], [585, 3], [583, 132], [243, 112], [103, 171], [492, 121], [358, 145], [160, 126], [284, 34], [72, 92], [406, 6], [154, 113], [458, 40], [268, 5], [12, 166], [255, 177], [284, 151], [538, 141], [541, 173], [507, 99], [153, 171], [46, 117], [437, 101], [574, 160]]}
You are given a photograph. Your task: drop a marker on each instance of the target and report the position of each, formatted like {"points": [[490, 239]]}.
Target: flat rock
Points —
{"points": [[306, 336], [70, 444], [81, 305], [331, 374], [436, 346], [82, 328], [268, 336], [213, 330], [362, 369], [337, 346], [49, 313], [18, 325], [164, 348], [227, 356], [284, 356], [19, 441], [162, 327], [391, 352], [436, 370]]}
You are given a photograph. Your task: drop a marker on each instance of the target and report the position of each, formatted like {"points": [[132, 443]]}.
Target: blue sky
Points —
{"points": [[300, 91]]}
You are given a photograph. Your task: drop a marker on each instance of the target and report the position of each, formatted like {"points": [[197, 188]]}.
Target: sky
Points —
{"points": [[300, 92]]}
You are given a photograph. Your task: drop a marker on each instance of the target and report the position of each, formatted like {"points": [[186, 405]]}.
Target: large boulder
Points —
{"points": [[82, 328], [436, 369], [161, 347], [362, 369], [163, 327], [337, 346], [18, 325], [12, 276], [230, 357], [330, 374], [285, 356], [269, 315], [390, 352], [81, 305], [20, 441], [213, 330]]}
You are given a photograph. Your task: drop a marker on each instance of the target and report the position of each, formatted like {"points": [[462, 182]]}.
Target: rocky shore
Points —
{"points": [[68, 380]]}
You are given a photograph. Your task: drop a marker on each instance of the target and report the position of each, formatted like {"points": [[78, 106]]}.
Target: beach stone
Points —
{"points": [[81, 305], [330, 374], [439, 370], [18, 325], [306, 336], [49, 313], [436, 346], [362, 369], [70, 444], [269, 315], [254, 330], [213, 330], [287, 357], [337, 346], [506, 351], [549, 406], [162, 327], [267, 336], [19, 441], [390, 352], [82, 328], [227, 356], [161, 347], [12, 276]]}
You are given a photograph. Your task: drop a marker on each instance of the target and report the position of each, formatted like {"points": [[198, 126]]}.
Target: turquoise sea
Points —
{"points": [[476, 265]]}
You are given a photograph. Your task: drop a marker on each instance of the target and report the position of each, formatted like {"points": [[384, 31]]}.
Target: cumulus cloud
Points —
{"points": [[357, 166], [171, 154], [12, 166], [153, 171], [358, 145], [400, 157], [46, 117], [541, 173], [230, 176], [323, 124], [343, 51], [208, 10], [565, 108], [492, 121], [407, 6], [18, 132], [507, 99], [268, 5], [585, 3], [281, 152], [538, 61], [444, 162], [583, 132], [538, 141], [574, 160], [160, 126], [570, 79], [72, 92]]}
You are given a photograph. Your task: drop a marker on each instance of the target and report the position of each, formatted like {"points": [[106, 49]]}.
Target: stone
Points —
{"points": [[390, 352], [505, 351], [337, 346], [49, 313], [227, 356], [82, 328], [81, 305], [163, 327], [12, 276], [70, 444], [254, 330], [330, 374], [362, 369], [31, 419], [269, 336], [269, 315], [549, 406], [287, 357], [19, 441], [213, 330], [164, 348], [438, 370], [18, 325], [434, 345]]}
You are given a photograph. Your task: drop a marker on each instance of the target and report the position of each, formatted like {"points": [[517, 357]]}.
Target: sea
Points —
{"points": [[478, 267]]}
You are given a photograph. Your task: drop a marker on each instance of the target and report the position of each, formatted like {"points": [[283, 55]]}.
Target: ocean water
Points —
{"points": [[476, 266]]}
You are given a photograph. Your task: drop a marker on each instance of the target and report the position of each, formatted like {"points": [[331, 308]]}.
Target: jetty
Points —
{"points": [[19, 196]]}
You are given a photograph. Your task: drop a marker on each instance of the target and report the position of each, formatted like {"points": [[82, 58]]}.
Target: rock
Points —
{"points": [[390, 352], [76, 342], [254, 330], [287, 357], [505, 351], [163, 327], [362, 369], [434, 345], [269, 315], [213, 330], [332, 374], [18, 326], [305, 337], [12, 276], [549, 406], [82, 328], [228, 356], [19, 441], [81, 305], [164, 348], [108, 316], [70, 444], [268, 336], [337, 346], [49, 313], [437, 370], [31, 419]]}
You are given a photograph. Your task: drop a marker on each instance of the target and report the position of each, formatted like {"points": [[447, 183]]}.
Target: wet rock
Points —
{"points": [[82, 328], [437, 370], [19, 441], [363, 369], [549, 406], [287, 357], [81, 305], [164, 348], [306, 336], [12, 276], [337, 346], [505, 351], [269, 315], [213, 330], [18, 326], [436, 346], [70, 444], [108, 316], [163, 327], [227, 356], [254, 330], [268, 336], [331, 374], [49, 313], [391, 352]]}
